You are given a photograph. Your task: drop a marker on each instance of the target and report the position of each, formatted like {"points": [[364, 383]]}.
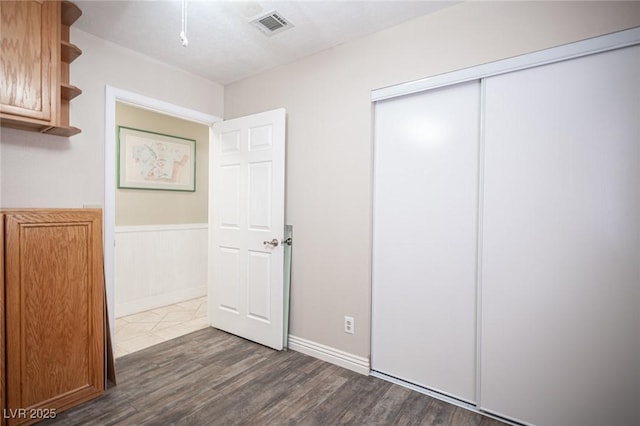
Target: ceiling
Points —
{"points": [[223, 46]]}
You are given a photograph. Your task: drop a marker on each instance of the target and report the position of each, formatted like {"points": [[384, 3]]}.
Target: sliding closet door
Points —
{"points": [[560, 332], [425, 227]]}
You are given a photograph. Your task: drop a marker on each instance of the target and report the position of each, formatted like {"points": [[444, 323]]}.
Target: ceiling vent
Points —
{"points": [[271, 23]]}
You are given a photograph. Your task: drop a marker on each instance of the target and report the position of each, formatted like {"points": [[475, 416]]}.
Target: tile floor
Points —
{"points": [[139, 331]]}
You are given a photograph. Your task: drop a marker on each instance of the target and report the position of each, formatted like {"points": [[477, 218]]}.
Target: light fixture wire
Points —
{"points": [[183, 33]]}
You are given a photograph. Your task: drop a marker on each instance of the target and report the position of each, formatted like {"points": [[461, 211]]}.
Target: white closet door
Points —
{"points": [[560, 330], [425, 227]]}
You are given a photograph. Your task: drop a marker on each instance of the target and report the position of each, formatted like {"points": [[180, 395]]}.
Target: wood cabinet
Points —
{"points": [[34, 69], [53, 311]]}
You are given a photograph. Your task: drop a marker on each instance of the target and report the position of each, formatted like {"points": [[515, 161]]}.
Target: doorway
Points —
{"points": [[161, 235], [114, 96]]}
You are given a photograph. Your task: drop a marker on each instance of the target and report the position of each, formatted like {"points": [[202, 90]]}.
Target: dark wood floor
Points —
{"points": [[213, 378]]}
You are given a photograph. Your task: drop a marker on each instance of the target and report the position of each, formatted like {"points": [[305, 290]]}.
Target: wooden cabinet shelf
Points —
{"points": [[62, 131], [70, 13], [34, 73], [69, 52], [68, 92]]}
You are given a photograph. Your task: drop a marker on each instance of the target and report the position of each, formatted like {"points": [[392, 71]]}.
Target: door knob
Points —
{"points": [[272, 243]]}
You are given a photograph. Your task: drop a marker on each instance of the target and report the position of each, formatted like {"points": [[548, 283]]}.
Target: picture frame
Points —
{"points": [[150, 160]]}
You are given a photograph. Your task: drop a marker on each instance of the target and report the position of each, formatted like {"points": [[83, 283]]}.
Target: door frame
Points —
{"points": [[112, 96]]}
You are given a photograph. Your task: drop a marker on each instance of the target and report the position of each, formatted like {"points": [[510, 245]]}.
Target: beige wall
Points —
{"points": [[329, 131], [145, 207], [51, 171]]}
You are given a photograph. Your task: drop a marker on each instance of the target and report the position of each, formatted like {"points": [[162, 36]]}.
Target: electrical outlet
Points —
{"points": [[349, 325]]}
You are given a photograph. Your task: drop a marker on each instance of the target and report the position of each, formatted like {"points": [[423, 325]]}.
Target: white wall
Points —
{"points": [[158, 265], [51, 171], [329, 157]]}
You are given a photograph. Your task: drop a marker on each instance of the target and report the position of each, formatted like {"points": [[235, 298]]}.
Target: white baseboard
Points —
{"points": [[164, 299], [326, 353]]}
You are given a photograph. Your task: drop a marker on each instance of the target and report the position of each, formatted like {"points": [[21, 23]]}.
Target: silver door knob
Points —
{"points": [[272, 243]]}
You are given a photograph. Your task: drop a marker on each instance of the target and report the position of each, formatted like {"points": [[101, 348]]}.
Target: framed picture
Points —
{"points": [[148, 160]]}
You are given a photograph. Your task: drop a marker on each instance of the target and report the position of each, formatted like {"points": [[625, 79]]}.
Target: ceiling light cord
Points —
{"points": [[183, 33]]}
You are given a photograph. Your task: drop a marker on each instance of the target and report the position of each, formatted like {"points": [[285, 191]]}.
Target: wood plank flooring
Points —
{"points": [[213, 378]]}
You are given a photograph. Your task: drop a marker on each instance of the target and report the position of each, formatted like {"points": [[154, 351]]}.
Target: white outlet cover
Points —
{"points": [[349, 325]]}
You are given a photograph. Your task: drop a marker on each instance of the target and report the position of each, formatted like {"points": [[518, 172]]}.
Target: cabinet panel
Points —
{"points": [[54, 309], [30, 51]]}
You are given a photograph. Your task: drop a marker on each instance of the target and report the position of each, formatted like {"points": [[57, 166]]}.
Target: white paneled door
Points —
{"points": [[246, 222]]}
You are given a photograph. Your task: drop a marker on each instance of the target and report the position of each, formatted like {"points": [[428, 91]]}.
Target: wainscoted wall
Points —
{"points": [[157, 265]]}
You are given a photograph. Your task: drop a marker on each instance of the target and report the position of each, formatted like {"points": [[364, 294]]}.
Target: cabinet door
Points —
{"points": [[30, 51], [54, 309]]}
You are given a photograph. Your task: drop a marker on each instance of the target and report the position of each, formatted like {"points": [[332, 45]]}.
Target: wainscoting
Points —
{"points": [[159, 265]]}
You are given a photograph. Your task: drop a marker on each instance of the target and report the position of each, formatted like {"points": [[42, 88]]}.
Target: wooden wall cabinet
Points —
{"points": [[34, 69], [53, 311]]}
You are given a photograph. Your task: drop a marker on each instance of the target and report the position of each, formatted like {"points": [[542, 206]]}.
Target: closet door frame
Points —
{"points": [[613, 41]]}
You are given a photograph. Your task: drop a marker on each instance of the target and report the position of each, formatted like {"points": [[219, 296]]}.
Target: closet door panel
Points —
{"points": [[425, 226], [560, 309]]}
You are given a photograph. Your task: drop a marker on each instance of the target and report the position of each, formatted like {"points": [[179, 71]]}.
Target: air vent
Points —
{"points": [[271, 23]]}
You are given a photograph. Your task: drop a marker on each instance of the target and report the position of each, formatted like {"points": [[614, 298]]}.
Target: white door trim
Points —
{"points": [[577, 49], [113, 95]]}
